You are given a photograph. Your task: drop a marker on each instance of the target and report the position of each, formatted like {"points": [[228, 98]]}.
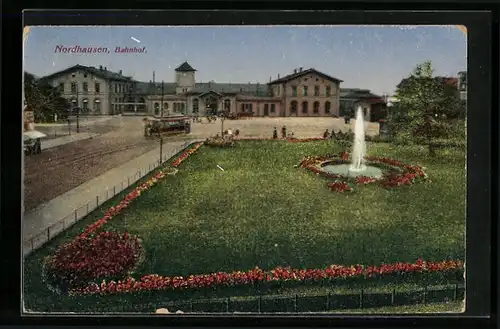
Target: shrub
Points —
{"points": [[218, 141], [84, 259]]}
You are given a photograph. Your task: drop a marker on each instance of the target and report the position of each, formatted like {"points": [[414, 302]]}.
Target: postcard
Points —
{"points": [[234, 170]]}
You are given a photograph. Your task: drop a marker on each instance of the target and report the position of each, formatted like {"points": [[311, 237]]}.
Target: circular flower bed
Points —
{"points": [[395, 173], [107, 255]]}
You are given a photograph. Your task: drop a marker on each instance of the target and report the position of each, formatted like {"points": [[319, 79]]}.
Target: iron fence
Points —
{"points": [[303, 303], [38, 240]]}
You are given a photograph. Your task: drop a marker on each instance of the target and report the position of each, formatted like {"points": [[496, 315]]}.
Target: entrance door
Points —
{"points": [[212, 105], [266, 110]]}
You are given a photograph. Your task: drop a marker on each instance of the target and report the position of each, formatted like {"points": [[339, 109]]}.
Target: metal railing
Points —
{"points": [[38, 240]]}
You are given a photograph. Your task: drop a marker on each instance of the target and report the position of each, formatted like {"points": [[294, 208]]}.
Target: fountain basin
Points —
{"points": [[346, 171]]}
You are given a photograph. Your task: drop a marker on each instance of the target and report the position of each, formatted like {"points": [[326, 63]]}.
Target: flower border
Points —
{"points": [[155, 282], [408, 174]]}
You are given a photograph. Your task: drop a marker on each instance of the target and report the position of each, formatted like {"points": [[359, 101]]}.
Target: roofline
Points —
{"points": [[83, 67], [299, 74]]}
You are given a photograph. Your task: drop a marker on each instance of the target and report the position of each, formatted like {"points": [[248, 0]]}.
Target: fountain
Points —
{"points": [[357, 166]]}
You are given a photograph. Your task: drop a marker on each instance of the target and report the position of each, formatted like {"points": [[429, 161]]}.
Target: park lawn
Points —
{"points": [[451, 307], [261, 211]]}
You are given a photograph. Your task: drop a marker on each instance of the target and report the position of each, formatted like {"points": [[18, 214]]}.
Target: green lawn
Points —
{"points": [[261, 211], [452, 307]]}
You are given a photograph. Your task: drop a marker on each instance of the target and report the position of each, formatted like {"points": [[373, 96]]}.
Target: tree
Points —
{"points": [[44, 99], [426, 104]]}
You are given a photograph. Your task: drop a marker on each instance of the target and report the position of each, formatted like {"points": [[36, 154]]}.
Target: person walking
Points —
{"points": [[275, 133], [325, 134], [283, 132]]}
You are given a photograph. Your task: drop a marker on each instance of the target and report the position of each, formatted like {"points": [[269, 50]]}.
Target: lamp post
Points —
{"points": [[161, 126], [77, 112]]}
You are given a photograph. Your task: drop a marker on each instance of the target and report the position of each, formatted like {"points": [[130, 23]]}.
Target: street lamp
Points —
{"points": [[161, 124]]}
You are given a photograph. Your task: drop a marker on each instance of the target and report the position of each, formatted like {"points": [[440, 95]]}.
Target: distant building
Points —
{"points": [[462, 84], [303, 93]]}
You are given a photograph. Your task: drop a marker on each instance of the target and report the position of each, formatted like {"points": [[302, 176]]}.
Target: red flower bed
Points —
{"points": [[339, 186], [186, 154], [408, 176], [156, 282], [288, 139], [106, 255]]}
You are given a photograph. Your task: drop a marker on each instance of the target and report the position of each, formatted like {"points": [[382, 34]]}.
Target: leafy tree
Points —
{"points": [[426, 105], [44, 99]]}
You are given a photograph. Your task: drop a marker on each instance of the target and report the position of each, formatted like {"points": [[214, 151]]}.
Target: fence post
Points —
{"points": [[227, 305], [64, 223], [455, 292], [295, 303], [393, 296], [48, 233], [114, 190], [128, 181], [361, 295], [425, 295], [328, 301], [97, 201], [32, 244], [76, 215], [191, 306], [259, 304], [107, 194]]}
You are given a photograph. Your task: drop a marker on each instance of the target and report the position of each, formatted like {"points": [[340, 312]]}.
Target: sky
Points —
{"points": [[368, 57]]}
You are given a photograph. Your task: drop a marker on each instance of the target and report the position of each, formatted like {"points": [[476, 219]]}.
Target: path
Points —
{"points": [[49, 214], [49, 143]]}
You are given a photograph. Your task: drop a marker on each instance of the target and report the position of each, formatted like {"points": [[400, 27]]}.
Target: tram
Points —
{"points": [[171, 125]]}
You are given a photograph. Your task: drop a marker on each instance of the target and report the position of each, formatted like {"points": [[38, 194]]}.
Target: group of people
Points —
{"points": [[283, 133]]}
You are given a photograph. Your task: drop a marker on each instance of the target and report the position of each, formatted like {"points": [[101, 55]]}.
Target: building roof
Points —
{"points": [[298, 74], [185, 67], [100, 72]]}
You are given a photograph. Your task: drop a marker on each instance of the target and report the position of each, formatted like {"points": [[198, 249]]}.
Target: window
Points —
{"points": [[74, 87], [242, 107], [304, 107], [266, 108], [250, 107], [61, 87], [293, 106], [97, 87], [157, 108], [304, 91], [294, 91], [183, 107], [85, 105], [196, 105], [316, 90], [316, 107], [328, 91], [227, 105], [97, 105], [84, 75], [116, 88], [184, 90], [85, 87], [73, 75], [273, 108], [327, 107]]}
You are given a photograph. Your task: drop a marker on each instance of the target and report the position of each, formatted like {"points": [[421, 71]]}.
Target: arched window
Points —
{"points": [[97, 105], [327, 106], [196, 104], [85, 105], [157, 108], [227, 105], [304, 107], [165, 106], [293, 106], [316, 107]]}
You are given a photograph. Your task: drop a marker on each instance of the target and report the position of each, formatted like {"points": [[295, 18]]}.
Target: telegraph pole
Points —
{"points": [[77, 111], [161, 126]]}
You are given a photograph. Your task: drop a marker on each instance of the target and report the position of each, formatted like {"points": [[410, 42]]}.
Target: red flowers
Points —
{"points": [[156, 282], [339, 186], [83, 259], [288, 139], [186, 154], [365, 180]]}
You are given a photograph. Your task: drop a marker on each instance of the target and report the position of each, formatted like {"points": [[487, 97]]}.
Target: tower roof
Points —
{"points": [[185, 67]]}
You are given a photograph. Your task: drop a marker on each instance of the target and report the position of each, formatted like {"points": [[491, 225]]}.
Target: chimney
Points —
{"points": [[300, 69], [153, 76], [120, 72], [270, 79], [100, 67], [295, 71], [278, 76], [105, 68]]}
